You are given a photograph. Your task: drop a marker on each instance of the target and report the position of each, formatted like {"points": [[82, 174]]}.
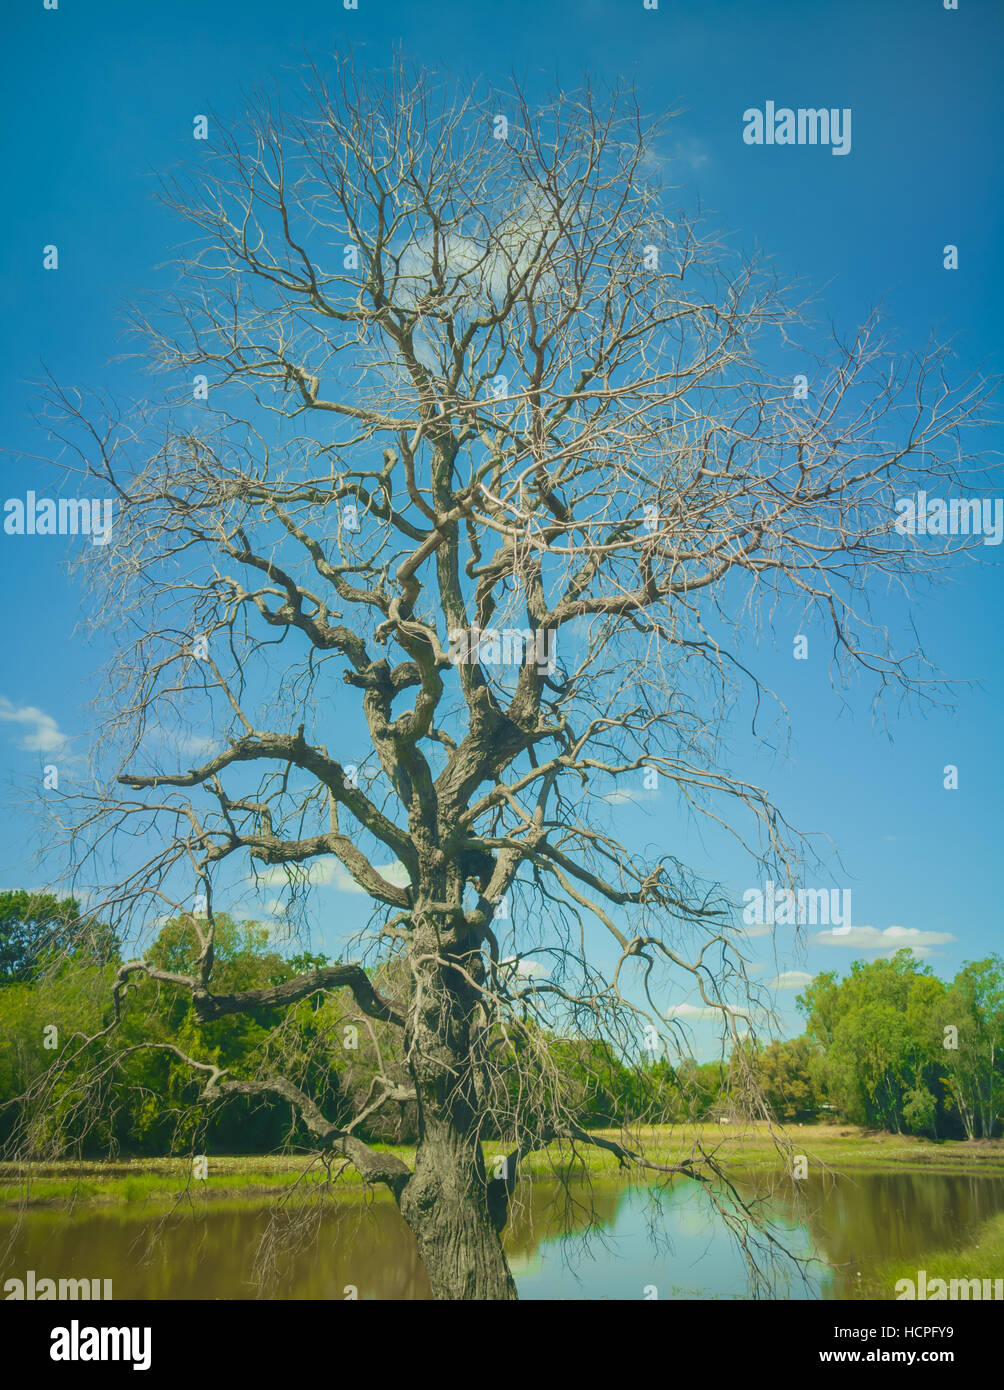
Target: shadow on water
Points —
{"points": [[636, 1243]]}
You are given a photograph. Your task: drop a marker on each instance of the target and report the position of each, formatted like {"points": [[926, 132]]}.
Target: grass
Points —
{"points": [[981, 1258], [743, 1149]]}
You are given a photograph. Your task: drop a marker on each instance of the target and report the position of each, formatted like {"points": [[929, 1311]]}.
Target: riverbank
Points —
{"points": [[980, 1255], [750, 1150]]}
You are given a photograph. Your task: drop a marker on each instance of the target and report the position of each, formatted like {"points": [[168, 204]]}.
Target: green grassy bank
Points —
{"points": [[980, 1256], [744, 1149]]}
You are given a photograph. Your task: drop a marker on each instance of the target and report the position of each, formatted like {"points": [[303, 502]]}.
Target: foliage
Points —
{"points": [[873, 1052], [36, 928], [903, 1051]]}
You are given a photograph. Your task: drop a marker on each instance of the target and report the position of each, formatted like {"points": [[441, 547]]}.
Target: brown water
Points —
{"points": [[670, 1241]]}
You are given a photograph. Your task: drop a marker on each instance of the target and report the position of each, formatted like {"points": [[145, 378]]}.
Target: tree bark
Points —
{"points": [[446, 1202]]}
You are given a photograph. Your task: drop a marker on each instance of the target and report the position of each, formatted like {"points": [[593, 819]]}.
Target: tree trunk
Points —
{"points": [[447, 1204]]}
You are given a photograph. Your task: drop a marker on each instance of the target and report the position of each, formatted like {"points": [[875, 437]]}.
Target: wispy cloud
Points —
{"points": [[43, 733], [185, 743], [887, 941], [317, 871], [526, 969], [756, 929], [790, 979], [691, 153], [696, 1011], [394, 873], [622, 794], [329, 872]]}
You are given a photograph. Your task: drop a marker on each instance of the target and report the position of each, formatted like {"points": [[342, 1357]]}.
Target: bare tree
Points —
{"points": [[465, 438]]}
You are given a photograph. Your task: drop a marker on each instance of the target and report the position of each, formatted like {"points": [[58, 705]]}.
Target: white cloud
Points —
{"points": [[187, 744], [394, 873], [652, 163], [622, 794], [484, 265], [756, 929], [790, 979], [691, 153], [695, 1011], [887, 941], [45, 735], [322, 872], [526, 969], [316, 871]]}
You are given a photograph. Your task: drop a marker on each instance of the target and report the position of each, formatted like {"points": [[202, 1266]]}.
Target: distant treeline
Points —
{"points": [[889, 1046]]}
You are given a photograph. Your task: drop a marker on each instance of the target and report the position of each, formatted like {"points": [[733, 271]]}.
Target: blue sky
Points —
{"points": [[97, 99]]}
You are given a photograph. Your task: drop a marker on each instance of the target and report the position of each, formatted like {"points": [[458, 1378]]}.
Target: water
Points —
{"points": [[667, 1243], [841, 1228]]}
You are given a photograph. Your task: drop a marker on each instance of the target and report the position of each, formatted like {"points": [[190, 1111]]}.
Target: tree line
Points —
{"points": [[889, 1046]]}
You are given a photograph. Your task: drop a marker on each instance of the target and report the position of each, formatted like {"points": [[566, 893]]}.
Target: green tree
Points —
{"points": [[819, 1002], [876, 1028], [920, 1110], [36, 927], [974, 1069], [788, 1084]]}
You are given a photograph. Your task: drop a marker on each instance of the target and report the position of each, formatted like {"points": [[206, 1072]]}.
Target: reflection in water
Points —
{"points": [[636, 1240], [857, 1222], [658, 1243]]}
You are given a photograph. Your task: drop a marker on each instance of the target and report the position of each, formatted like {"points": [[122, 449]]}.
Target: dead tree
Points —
{"points": [[464, 437]]}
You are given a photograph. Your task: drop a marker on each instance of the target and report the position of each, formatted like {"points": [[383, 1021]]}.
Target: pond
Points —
{"points": [[640, 1242]]}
